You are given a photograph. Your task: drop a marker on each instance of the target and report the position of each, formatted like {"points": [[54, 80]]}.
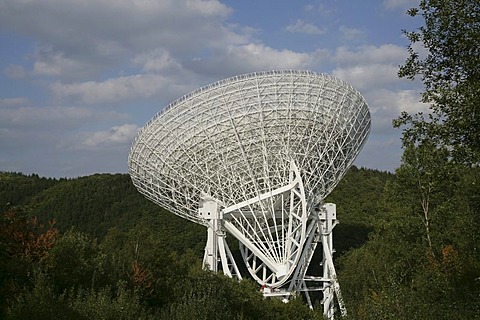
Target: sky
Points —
{"points": [[79, 78]]}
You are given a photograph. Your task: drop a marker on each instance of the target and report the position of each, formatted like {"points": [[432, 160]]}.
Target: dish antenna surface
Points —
{"points": [[255, 155]]}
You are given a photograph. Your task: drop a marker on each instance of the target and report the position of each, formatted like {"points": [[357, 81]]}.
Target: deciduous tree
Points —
{"points": [[445, 54]]}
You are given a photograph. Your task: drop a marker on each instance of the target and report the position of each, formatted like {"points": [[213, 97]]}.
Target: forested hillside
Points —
{"points": [[93, 205], [109, 245]]}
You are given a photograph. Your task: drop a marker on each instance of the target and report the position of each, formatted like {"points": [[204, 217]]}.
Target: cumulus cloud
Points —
{"points": [[370, 67], [91, 36], [209, 8], [383, 149], [365, 77], [393, 4], [368, 54], [319, 7], [15, 72], [263, 57], [394, 102], [51, 63], [112, 90], [33, 138], [52, 118], [157, 60], [14, 102], [251, 57], [300, 26], [351, 34], [374, 71], [117, 135], [129, 56]]}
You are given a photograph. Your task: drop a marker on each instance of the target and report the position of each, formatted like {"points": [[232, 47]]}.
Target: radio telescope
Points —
{"points": [[255, 155]]}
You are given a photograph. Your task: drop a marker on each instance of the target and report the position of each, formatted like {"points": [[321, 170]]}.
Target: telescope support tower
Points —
{"points": [[327, 221], [216, 250], [320, 229]]}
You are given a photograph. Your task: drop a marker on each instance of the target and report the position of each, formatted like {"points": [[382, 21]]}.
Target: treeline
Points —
{"points": [[95, 248], [93, 205], [46, 274]]}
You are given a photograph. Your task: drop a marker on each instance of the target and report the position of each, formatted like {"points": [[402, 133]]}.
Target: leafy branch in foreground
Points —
{"points": [[445, 54]]}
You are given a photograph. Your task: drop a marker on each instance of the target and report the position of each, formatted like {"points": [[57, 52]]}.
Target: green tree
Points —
{"points": [[76, 261], [450, 72], [40, 303], [25, 244], [421, 260], [425, 182], [108, 304]]}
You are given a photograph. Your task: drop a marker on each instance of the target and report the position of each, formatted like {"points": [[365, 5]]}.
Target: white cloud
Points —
{"points": [[351, 34], [54, 64], [300, 26], [135, 55], [370, 67], [157, 60], [112, 90], [83, 39], [251, 57], [383, 149], [32, 138], [387, 53], [394, 102], [54, 118], [14, 102], [368, 76], [15, 72], [209, 8], [320, 8], [264, 57], [393, 4], [117, 135]]}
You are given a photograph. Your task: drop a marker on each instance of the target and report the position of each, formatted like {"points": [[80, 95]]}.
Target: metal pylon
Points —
{"points": [[319, 230], [217, 251]]}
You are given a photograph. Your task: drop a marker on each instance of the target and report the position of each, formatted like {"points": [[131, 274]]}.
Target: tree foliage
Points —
{"points": [[142, 263], [422, 258], [445, 55]]}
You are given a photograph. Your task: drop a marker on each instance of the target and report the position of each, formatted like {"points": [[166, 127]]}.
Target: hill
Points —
{"points": [[112, 254], [96, 203], [93, 205]]}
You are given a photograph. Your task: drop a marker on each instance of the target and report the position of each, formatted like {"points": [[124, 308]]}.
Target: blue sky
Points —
{"points": [[78, 78]]}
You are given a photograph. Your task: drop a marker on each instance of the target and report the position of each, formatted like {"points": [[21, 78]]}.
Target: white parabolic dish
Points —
{"points": [[235, 139]]}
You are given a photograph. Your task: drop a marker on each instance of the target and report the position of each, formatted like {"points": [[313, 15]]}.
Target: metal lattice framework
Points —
{"points": [[266, 148]]}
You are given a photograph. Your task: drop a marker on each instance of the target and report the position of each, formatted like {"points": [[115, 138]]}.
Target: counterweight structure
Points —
{"points": [[255, 156]]}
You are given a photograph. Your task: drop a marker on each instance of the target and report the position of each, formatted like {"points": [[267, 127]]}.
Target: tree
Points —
{"points": [[24, 244], [450, 72], [422, 259], [76, 261], [424, 182]]}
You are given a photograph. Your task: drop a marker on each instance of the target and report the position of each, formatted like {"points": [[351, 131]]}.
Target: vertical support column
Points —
{"points": [[209, 211], [216, 249], [328, 220]]}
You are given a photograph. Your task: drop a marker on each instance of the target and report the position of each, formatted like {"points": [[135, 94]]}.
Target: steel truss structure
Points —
{"points": [[255, 156]]}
